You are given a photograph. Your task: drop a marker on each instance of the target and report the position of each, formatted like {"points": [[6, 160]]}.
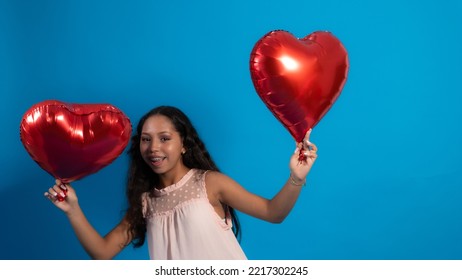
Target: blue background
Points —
{"points": [[387, 183]]}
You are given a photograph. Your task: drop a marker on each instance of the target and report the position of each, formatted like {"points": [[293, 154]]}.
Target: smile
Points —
{"points": [[156, 161]]}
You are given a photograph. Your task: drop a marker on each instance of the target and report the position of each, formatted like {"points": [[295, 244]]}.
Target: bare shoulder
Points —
{"points": [[228, 191], [218, 183], [222, 186], [215, 176], [217, 180]]}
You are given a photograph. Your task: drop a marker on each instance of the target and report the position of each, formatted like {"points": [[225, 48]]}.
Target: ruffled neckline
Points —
{"points": [[175, 186]]}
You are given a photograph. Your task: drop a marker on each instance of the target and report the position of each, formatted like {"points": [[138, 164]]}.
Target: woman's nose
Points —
{"points": [[154, 145]]}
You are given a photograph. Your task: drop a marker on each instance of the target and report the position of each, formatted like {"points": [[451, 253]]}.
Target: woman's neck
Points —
{"points": [[172, 176]]}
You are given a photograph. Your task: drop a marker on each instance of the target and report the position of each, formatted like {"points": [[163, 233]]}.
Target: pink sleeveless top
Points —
{"points": [[183, 225]]}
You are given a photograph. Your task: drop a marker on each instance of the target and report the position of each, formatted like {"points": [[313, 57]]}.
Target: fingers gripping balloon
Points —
{"points": [[298, 79], [71, 141]]}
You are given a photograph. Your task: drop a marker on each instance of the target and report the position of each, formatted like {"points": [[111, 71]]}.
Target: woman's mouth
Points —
{"points": [[157, 161]]}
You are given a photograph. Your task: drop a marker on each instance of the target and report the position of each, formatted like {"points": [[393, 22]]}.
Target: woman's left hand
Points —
{"points": [[299, 168]]}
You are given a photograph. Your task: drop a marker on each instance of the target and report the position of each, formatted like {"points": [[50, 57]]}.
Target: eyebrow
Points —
{"points": [[160, 132]]}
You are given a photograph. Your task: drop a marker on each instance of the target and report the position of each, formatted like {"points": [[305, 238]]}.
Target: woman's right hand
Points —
{"points": [[68, 199]]}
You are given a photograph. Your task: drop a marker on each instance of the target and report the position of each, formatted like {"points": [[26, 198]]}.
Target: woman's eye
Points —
{"points": [[164, 139], [145, 139]]}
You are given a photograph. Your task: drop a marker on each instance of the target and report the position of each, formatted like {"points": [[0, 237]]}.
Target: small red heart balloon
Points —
{"points": [[71, 141], [299, 79]]}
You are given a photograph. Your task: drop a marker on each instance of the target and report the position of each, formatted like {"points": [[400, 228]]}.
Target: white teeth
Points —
{"points": [[156, 159]]}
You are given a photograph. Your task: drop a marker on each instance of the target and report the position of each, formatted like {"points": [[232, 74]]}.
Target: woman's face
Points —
{"points": [[161, 145]]}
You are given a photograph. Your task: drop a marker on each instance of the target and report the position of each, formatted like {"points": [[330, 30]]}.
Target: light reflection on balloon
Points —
{"points": [[289, 63]]}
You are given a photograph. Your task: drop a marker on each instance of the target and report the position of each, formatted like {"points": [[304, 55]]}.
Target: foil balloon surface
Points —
{"points": [[299, 79], [71, 141]]}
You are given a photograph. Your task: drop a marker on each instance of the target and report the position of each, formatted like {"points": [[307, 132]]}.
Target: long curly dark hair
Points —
{"points": [[142, 179]]}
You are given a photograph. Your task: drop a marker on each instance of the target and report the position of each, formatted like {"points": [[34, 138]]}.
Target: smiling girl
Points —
{"points": [[178, 199]]}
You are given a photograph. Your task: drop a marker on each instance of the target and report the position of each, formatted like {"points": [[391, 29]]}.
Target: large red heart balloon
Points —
{"points": [[299, 79], [70, 141]]}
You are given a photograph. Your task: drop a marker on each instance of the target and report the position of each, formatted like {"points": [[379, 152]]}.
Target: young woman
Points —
{"points": [[177, 197]]}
